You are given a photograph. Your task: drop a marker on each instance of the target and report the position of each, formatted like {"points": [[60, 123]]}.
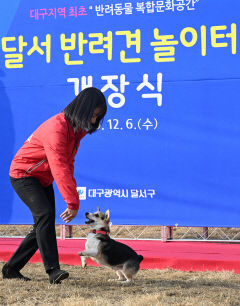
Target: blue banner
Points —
{"points": [[168, 150]]}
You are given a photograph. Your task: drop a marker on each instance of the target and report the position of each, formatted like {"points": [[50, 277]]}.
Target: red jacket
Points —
{"points": [[49, 154]]}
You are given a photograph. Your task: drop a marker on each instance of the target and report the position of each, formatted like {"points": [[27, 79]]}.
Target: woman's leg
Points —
{"points": [[41, 202], [25, 251]]}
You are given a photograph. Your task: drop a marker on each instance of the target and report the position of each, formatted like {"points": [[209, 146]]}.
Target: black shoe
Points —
{"points": [[9, 272], [57, 275]]}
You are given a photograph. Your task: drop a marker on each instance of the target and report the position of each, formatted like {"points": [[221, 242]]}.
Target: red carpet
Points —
{"points": [[185, 256]]}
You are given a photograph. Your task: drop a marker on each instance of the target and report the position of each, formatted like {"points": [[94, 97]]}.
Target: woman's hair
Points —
{"points": [[80, 111]]}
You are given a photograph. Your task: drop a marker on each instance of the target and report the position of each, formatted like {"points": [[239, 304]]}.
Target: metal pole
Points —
{"points": [[163, 234], [62, 232], [70, 230], [205, 232]]}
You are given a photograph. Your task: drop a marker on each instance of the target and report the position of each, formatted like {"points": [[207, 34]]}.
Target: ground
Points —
{"points": [[90, 286]]}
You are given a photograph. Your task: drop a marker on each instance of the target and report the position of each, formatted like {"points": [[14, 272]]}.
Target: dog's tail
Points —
{"points": [[140, 258]]}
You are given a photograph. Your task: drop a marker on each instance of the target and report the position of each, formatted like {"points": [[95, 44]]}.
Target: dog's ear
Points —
{"points": [[107, 215], [98, 208]]}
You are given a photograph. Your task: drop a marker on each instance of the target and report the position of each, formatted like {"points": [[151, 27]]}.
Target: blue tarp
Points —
{"points": [[168, 150]]}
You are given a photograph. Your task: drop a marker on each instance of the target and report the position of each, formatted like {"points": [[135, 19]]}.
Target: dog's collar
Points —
{"points": [[99, 232]]}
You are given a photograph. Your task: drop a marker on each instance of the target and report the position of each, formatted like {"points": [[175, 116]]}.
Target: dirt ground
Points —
{"points": [[90, 286]]}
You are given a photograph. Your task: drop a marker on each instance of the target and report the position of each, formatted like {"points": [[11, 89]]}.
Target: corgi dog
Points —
{"points": [[106, 251]]}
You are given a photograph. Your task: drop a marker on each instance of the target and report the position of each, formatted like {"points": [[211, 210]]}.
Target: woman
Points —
{"points": [[47, 155]]}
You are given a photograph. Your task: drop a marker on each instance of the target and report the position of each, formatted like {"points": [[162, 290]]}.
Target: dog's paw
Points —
{"points": [[125, 282], [83, 260], [116, 280]]}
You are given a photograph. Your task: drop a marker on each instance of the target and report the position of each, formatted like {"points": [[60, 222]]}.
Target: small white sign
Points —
{"points": [[82, 191]]}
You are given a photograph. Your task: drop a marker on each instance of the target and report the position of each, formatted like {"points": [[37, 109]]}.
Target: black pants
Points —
{"points": [[41, 202]]}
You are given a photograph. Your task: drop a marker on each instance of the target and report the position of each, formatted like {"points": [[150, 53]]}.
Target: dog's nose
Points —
{"points": [[86, 214]]}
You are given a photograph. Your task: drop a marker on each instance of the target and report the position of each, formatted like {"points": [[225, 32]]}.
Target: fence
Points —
{"points": [[161, 233]]}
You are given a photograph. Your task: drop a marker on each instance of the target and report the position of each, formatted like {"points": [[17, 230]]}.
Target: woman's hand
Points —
{"points": [[68, 215]]}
